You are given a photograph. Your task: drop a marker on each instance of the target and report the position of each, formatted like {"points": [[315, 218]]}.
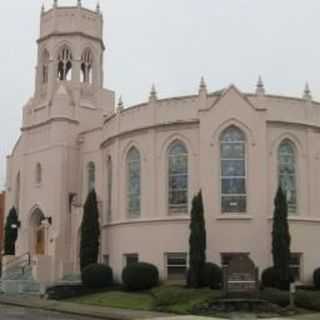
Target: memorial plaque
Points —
{"points": [[241, 277]]}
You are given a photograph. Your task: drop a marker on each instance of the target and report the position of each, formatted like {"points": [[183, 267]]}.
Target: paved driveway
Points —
{"points": [[15, 313]]}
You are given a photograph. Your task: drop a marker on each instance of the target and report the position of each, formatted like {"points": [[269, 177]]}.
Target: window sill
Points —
{"points": [[230, 216], [297, 218]]}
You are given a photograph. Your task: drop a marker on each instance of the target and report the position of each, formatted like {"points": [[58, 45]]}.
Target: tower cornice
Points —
{"points": [[76, 33]]}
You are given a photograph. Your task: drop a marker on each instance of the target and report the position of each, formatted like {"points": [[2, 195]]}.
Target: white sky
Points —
{"points": [[172, 43]]}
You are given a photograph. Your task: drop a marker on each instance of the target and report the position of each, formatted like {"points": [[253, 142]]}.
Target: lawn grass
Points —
{"points": [[173, 299], [118, 299]]}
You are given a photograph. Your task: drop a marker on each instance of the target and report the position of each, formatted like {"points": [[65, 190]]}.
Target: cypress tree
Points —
{"points": [[197, 243], [90, 232], [281, 240], [11, 233]]}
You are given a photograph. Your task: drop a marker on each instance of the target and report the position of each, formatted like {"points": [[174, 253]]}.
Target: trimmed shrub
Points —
{"points": [[316, 278], [97, 276], [140, 276], [272, 279], [212, 276]]}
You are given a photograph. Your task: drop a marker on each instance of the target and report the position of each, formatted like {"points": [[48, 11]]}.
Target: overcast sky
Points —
{"points": [[172, 43]]}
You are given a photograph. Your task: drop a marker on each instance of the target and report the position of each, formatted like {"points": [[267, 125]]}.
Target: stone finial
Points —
{"points": [[79, 3], [42, 9], [120, 104], [153, 93], [98, 8], [260, 91], [307, 92], [55, 3], [203, 86]]}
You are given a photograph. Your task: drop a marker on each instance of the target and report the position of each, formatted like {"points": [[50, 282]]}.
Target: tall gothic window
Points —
{"points": [[64, 63], [287, 173], [38, 175], [233, 171], [109, 172], [91, 176], [177, 177], [134, 182], [86, 66], [45, 66]]}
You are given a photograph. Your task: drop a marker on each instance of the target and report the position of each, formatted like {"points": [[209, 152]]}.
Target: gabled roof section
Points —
{"points": [[232, 89], [62, 92]]}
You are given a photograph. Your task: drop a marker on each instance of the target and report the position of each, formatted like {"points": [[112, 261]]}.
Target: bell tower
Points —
{"points": [[70, 48]]}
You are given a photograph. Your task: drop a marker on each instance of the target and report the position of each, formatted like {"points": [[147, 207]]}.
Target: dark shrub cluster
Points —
{"points": [[97, 276], [271, 278], [212, 276], [140, 276]]}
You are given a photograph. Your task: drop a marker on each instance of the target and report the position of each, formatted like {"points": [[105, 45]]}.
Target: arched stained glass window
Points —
{"points": [[109, 172], [233, 171], [91, 176], [178, 177], [134, 182], [287, 173]]}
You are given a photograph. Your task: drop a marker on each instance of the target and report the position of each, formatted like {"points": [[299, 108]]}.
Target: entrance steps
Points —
{"points": [[18, 279]]}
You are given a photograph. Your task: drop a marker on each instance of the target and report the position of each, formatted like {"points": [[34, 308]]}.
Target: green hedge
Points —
{"points": [[140, 276], [97, 276]]}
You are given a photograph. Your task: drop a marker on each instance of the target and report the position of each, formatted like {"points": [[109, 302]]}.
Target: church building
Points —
{"points": [[146, 162]]}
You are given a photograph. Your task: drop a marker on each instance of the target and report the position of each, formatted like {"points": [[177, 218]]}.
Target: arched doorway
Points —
{"points": [[38, 233]]}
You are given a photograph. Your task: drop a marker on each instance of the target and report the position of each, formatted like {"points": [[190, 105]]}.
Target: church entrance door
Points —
{"points": [[40, 241]]}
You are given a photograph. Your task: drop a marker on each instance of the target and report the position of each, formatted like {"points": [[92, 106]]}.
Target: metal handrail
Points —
{"points": [[26, 256]]}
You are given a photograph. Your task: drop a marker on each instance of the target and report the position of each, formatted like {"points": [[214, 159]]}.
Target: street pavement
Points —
{"points": [[17, 313]]}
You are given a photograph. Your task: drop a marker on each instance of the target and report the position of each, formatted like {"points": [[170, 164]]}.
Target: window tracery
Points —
{"points": [[64, 64], [86, 66]]}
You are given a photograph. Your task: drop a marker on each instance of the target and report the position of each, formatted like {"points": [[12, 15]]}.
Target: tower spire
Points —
{"points": [[307, 92], [260, 91], [42, 8], [203, 86], [55, 3], [120, 104], [79, 3], [98, 8], [153, 93]]}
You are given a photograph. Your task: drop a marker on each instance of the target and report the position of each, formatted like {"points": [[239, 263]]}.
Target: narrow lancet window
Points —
{"points": [[64, 64], [287, 173], [86, 66], [91, 176], [134, 182], [178, 177]]}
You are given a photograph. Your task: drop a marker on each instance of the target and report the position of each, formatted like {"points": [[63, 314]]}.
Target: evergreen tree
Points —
{"points": [[90, 232], [281, 240], [11, 232], [197, 243]]}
